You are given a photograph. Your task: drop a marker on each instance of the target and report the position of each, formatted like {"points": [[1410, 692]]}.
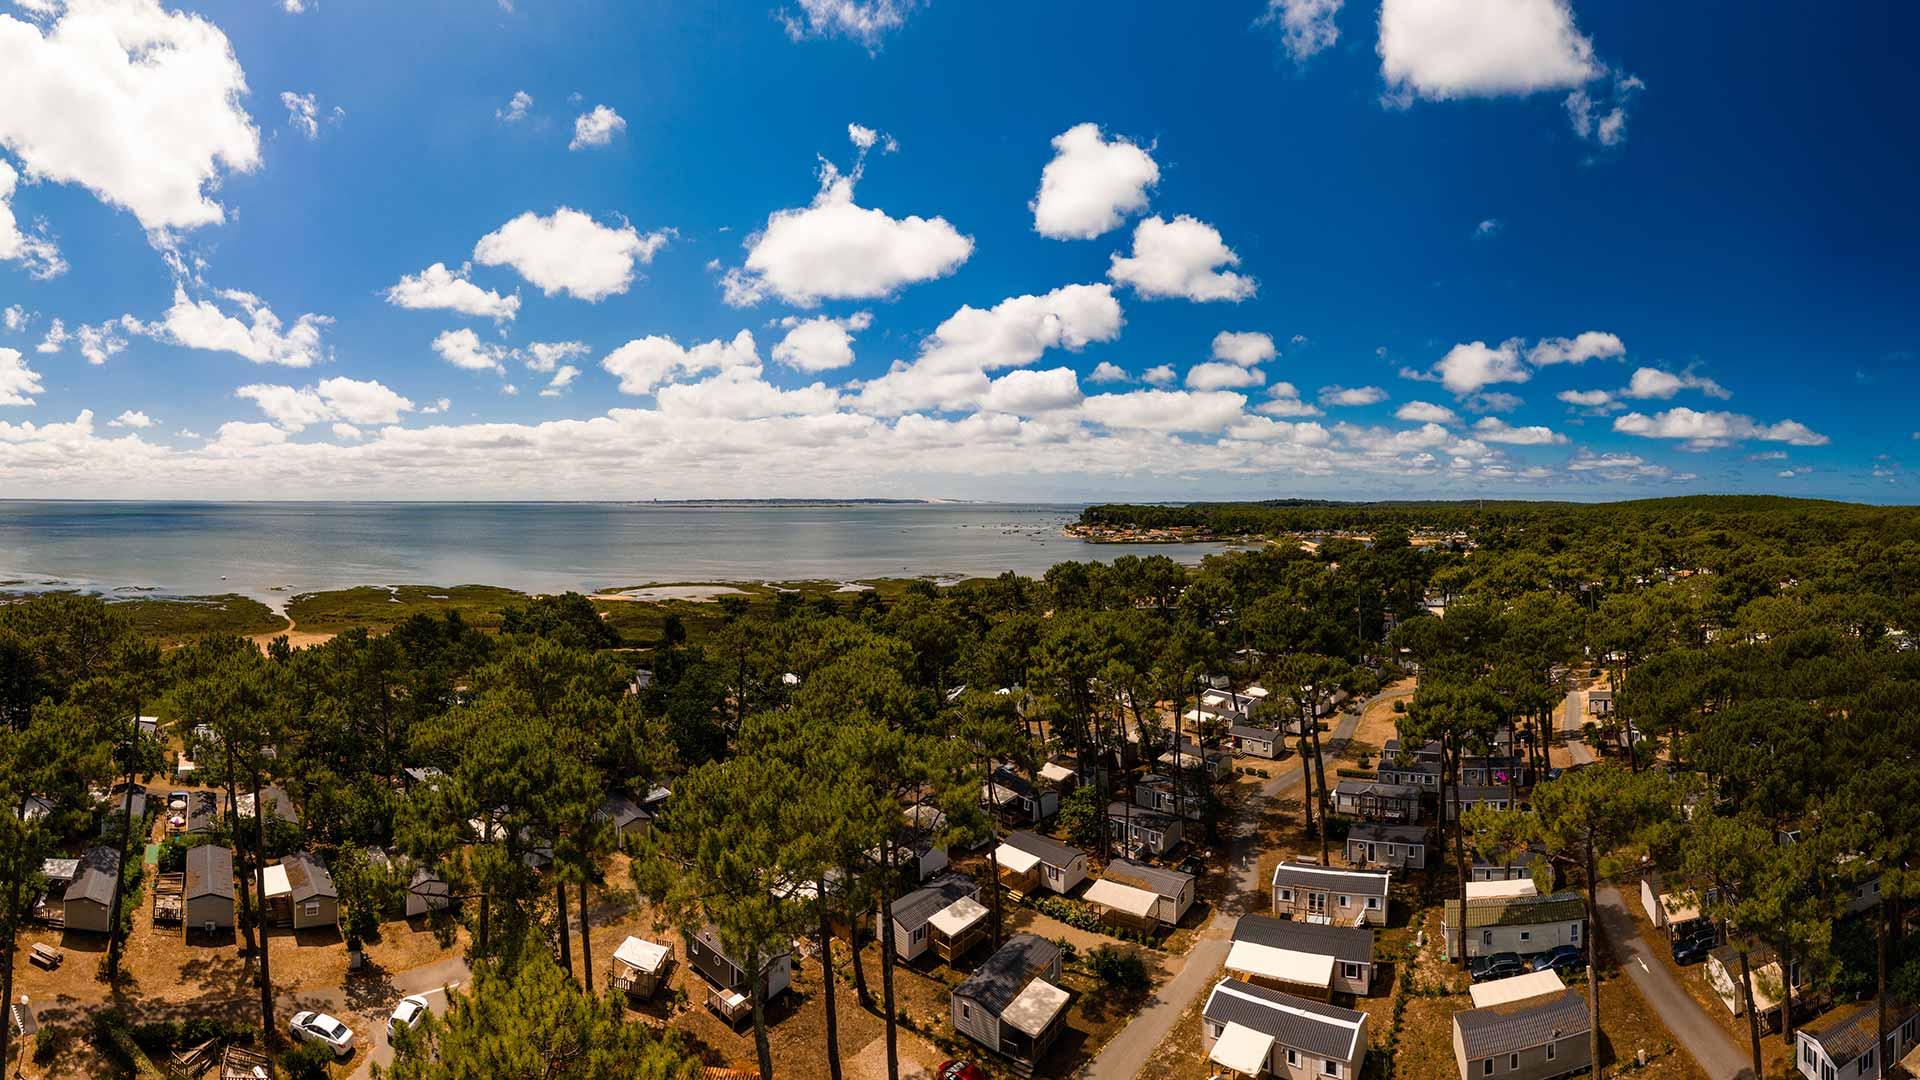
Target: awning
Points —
{"points": [[1111, 894], [1035, 1008], [277, 884], [642, 955], [1242, 1049], [1282, 965], [1515, 988], [1056, 772], [1014, 859], [956, 918]]}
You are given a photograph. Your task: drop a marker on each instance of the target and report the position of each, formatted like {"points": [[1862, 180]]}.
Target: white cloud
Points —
{"points": [[950, 371], [1597, 401], [1707, 429], [1215, 375], [516, 108], [1352, 395], [98, 343], [865, 21], [1158, 375], [1654, 384], [1306, 26], [1488, 227], [1285, 401], [440, 406], [822, 343], [132, 418], [31, 248], [1092, 184], [1106, 372], [562, 378], [201, 324], [739, 393], [596, 128], [347, 432], [1179, 258], [1027, 392], [1444, 49], [1492, 401], [437, 287], [1494, 430], [866, 138], [1426, 412], [835, 249], [1469, 367], [18, 382], [54, 339], [463, 349], [15, 318], [544, 356], [569, 252], [137, 104], [644, 363], [303, 113], [351, 401], [1590, 345], [1261, 429], [1166, 410], [1603, 122], [1245, 348]]}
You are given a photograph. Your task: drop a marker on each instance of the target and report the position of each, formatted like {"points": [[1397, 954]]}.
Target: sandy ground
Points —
{"points": [[295, 636], [657, 593]]}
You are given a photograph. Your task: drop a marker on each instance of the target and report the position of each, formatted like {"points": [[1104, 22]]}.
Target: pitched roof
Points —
{"points": [[307, 878], [1378, 789], [1052, 852], [1380, 832], [1134, 813], [1517, 910], [94, 883], [622, 811], [1349, 943], [914, 909], [209, 872], [1156, 878], [1848, 1031], [1523, 1024], [1314, 876], [1250, 731], [1320, 1030], [995, 983]]}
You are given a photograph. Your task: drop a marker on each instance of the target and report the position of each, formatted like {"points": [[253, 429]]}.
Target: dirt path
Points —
{"points": [[295, 636]]}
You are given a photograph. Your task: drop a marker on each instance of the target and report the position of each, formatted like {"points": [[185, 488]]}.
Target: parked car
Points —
{"points": [[319, 1027], [1565, 959], [960, 1070], [407, 1014], [1694, 947], [1555, 773], [1497, 966]]}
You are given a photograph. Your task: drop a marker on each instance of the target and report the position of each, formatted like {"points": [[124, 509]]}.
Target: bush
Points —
{"points": [[307, 1061], [47, 1043], [1120, 968], [1400, 705]]}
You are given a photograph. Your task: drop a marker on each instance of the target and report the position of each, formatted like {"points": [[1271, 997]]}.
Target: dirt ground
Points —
{"points": [[1774, 1053], [1377, 725]]}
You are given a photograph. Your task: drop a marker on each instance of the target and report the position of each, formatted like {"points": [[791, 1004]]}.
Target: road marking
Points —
{"points": [[1642, 961]]}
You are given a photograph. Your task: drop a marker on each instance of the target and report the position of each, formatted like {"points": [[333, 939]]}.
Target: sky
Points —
{"points": [[510, 249]]}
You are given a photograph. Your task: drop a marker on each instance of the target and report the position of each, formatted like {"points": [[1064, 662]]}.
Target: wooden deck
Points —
{"points": [[169, 904]]}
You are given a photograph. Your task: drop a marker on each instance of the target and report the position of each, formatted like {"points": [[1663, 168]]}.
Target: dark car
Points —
{"points": [[960, 1070], [1565, 959], [1694, 947], [1497, 966], [1555, 773]]}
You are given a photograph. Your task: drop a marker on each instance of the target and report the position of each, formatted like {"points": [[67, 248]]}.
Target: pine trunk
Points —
{"points": [[1320, 779], [886, 959], [1786, 998], [7, 953], [566, 939], [761, 1048], [586, 936], [1753, 1019], [1593, 955], [270, 1036], [1450, 779], [826, 983], [113, 910]]}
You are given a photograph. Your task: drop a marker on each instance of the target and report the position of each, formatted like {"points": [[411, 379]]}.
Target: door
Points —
{"points": [[1316, 903], [1370, 852]]}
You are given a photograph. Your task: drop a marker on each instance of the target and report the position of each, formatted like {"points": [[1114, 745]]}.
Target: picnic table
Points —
{"points": [[46, 956]]}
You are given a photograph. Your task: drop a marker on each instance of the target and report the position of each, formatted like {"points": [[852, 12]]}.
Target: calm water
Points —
{"points": [[273, 550]]}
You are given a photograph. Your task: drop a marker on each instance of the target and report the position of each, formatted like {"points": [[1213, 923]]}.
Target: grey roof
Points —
{"points": [[709, 937], [427, 883], [1472, 792], [623, 811], [1376, 788], [1521, 1025], [209, 872], [1249, 731], [1152, 878], [203, 811], [997, 982], [278, 803], [1315, 877], [1320, 1030], [1488, 911], [914, 909], [1052, 852], [1848, 1031], [1381, 833], [1126, 811], [98, 867], [307, 877], [1350, 943]]}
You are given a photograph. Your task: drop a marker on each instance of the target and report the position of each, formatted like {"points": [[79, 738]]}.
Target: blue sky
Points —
{"points": [[1456, 211]]}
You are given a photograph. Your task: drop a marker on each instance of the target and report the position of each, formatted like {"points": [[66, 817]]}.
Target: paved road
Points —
{"points": [[1124, 1056], [1706, 1041], [365, 1005]]}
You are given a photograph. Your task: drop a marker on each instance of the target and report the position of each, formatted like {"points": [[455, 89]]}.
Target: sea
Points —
{"points": [[272, 551]]}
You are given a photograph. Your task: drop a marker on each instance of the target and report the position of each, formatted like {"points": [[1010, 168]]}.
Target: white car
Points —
{"points": [[319, 1027], [407, 1015]]}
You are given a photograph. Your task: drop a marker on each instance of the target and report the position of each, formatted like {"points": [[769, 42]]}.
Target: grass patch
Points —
{"points": [[379, 608]]}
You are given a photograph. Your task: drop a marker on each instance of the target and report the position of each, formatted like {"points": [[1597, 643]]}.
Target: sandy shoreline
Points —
{"points": [[656, 593]]}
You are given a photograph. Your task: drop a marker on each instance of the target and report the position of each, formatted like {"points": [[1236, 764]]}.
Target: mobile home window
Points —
{"points": [[313, 910], [1486, 1067], [1349, 971], [1513, 1062], [1486, 937], [1373, 903], [966, 1011], [1345, 900], [1573, 933], [1526, 935], [1286, 895], [1329, 1067], [1553, 1051], [1293, 1057]]}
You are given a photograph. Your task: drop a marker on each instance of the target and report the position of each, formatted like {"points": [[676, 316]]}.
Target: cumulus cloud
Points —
{"points": [[544, 356], [1591, 402], [463, 349], [1707, 430], [1216, 375], [262, 337], [836, 249], [1284, 400], [643, 364], [569, 252], [437, 287], [1245, 348], [15, 318], [1425, 412], [1261, 429], [1029, 393], [31, 248], [132, 418], [139, 105], [563, 377], [1352, 395], [1306, 26], [516, 108], [1470, 367], [865, 21], [1445, 49], [1180, 258], [1590, 345], [822, 343], [1092, 185], [351, 401], [1159, 375], [99, 342], [596, 128], [18, 382], [1495, 430], [739, 393], [1654, 384], [1106, 372], [1166, 410]]}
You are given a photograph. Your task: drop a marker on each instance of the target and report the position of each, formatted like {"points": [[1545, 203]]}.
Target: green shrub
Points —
{"points": [[1400, 705], [47, 1043], [307, 1061], [1119, 967]]}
